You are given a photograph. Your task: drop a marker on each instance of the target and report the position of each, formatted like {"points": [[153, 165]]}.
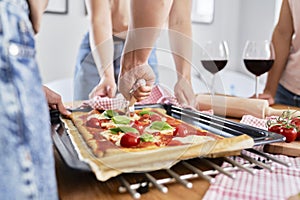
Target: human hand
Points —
{"points": [[184, 92], [266, 96], [106, 88], [128, 80], [54, 101]]}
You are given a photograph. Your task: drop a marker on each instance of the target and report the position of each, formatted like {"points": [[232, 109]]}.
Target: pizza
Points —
{"points": [[112, 131], [112, 143]]}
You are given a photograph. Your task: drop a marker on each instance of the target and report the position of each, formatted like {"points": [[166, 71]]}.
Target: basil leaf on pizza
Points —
{"points": [[146, 112], [110, 113], [121, 119], [160, 126], [147, 138], [123, 129]]}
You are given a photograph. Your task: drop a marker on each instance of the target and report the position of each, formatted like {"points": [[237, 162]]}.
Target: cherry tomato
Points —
{"points": [[129, 140], [296, 122], [275, 129], [289, 132], [93, 122]]}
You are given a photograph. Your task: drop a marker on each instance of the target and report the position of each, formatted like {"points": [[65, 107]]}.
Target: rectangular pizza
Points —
{"points": [[148, 139]]}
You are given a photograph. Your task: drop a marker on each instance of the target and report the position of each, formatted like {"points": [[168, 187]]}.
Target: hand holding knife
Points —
{"points": [[132, 101]]}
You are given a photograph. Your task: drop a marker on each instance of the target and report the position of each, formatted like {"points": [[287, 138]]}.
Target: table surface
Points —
{"points": [[75, 184]]}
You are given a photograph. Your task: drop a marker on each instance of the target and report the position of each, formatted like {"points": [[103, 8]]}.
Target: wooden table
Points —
{"points": [[75, 184]]}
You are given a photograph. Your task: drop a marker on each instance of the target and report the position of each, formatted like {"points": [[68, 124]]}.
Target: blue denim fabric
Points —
{"points": [[86, 75], [283, 96], [26, 153]]}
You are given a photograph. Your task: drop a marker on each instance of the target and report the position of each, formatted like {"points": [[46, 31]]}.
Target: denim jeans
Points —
{"points": [[26, 153], [283, 96], [86, 75]]}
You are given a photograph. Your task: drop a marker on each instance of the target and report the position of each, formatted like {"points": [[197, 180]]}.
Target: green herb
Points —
{"points": [[144, 112], [147, 138], [123, 129], [159, 125], [120, 119], [110, 113]]}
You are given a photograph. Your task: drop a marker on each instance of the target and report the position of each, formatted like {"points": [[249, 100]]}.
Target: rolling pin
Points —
{"points": [[237, 106]]}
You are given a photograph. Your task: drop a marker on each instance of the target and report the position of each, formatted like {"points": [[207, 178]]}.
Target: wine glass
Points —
{"points": [[214, 58], [258, 57]]}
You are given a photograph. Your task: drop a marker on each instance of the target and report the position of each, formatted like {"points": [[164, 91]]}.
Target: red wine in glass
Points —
{"points": [[258, 58], [258, 67], [214, 66], [214, 58]]}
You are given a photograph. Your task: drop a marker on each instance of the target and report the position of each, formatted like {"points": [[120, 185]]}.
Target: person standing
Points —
{"points": [[26, 153], [98, 61], [283, 82]]}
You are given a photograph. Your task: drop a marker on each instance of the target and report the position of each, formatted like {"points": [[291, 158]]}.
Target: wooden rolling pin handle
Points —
{"points": [[277, 112], [232, 106]]}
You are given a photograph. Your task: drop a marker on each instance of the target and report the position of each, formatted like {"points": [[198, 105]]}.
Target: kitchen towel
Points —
{"points": [[279, 184], [256, 122], [159, 94]]}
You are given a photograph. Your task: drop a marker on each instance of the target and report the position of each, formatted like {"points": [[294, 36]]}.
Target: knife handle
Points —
{"points": [[132, 101]]}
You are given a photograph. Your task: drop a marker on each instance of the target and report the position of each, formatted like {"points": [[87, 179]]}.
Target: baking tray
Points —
{"points": [[211, 123]]}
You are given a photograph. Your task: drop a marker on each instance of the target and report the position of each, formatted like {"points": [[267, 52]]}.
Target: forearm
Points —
{"points": [[180, 33], [101, 41], [102, 46], [147, 19], [281, 39], [282, 49]]}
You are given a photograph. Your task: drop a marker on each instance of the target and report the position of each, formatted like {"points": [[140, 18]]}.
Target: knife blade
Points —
{"points": [[80, 109]]}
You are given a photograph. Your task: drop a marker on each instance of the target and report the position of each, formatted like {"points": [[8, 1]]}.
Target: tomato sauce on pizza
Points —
{"points": [[142, 130]]}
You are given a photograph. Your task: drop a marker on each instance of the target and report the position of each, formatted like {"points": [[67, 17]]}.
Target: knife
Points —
{"points": [[132, 101]]}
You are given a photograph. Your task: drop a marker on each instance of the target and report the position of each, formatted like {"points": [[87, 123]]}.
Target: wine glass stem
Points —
{"points": [[212, 86], [256, 86]]}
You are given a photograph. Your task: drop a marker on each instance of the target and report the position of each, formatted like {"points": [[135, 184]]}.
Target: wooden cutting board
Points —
{"points": [[284, 148], [288, 149]]}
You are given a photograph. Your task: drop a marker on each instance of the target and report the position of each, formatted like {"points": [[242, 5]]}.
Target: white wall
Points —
{"points": [[59, 40], [234, 21]]}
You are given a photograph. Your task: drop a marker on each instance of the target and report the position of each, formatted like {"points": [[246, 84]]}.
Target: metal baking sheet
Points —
{"points": [[214, 124]]}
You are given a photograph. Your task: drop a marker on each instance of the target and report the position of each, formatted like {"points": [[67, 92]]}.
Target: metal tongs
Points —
{"points": [[132, 101]]}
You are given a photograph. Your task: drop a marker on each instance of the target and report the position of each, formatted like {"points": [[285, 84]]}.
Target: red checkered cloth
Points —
{"points": [[279, 184], [159, 94], [256, 122]]}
